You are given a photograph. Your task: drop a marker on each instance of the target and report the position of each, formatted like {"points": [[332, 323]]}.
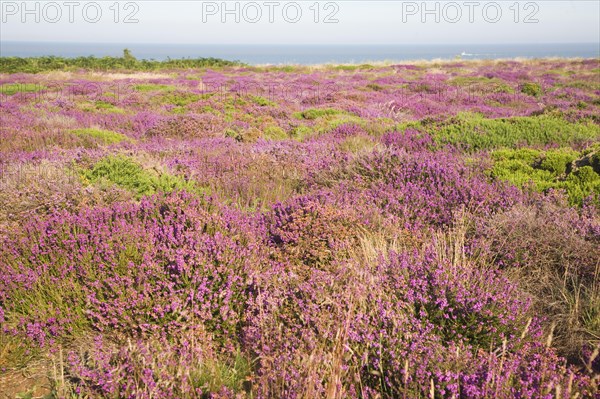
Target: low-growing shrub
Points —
{"points": [[310, 232], [263, 102], [474, 132], [274, 133], [412, 324], [51, 63], [126, 173], [28, 190], [166, 264], [189, 126], [147, 87], [545, 170], [104, 136], [552, 252], [314, 113], [531, 89], [185, 367], [12, 88], [178, 98]]}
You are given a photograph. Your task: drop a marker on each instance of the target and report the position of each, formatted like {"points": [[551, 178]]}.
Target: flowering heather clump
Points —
{"points": [[407, 325], [310, 232], [163, 264], [373, 231]]}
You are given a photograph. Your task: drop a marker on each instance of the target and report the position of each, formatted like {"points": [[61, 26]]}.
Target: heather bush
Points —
{"points": [[551, 251], [311, 232], [147, 87], [31, 189], [411, 140], [418, 189], [188, 127], [429, 323], [161, 265], [155, 367]]}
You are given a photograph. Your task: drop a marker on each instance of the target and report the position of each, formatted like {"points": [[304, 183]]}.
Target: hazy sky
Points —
{"points": [[302, 22]]}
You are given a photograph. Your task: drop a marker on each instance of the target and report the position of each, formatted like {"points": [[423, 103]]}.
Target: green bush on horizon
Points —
{"points": [[52, 63]]}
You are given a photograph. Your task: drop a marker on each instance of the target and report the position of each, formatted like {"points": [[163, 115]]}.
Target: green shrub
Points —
{"points": [[375, 87], [179, 99], [274, 133], [489, 85], [544, 170], [526, 155], [153, 87], [50, 63], [102, 106], [346, 67], [301, 132], [213, 375], [106, 136], [314, 113], [557, 161], [358, 144], [263, 102], [126, 173], [335, 121], [474, 132], [13, 88], [531, 89], [581, 183]]}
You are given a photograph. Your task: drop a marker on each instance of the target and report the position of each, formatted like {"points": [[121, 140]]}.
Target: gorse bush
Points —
{"points": [[531, 89], [153, 87], [545, 170], [178, 99], [314, 113], [263, 102], [104, 107], [104, 136], [125, 173], [12, 88], [474, 132]]}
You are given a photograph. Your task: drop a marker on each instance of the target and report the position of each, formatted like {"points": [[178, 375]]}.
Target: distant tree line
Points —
{"points": [[127, 61]]}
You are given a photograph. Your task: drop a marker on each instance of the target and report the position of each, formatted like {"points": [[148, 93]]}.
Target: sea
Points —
{"points": [[304, 54]]}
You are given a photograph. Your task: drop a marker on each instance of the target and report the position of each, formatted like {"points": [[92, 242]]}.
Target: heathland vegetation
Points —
{"points": [[206, 229]]}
